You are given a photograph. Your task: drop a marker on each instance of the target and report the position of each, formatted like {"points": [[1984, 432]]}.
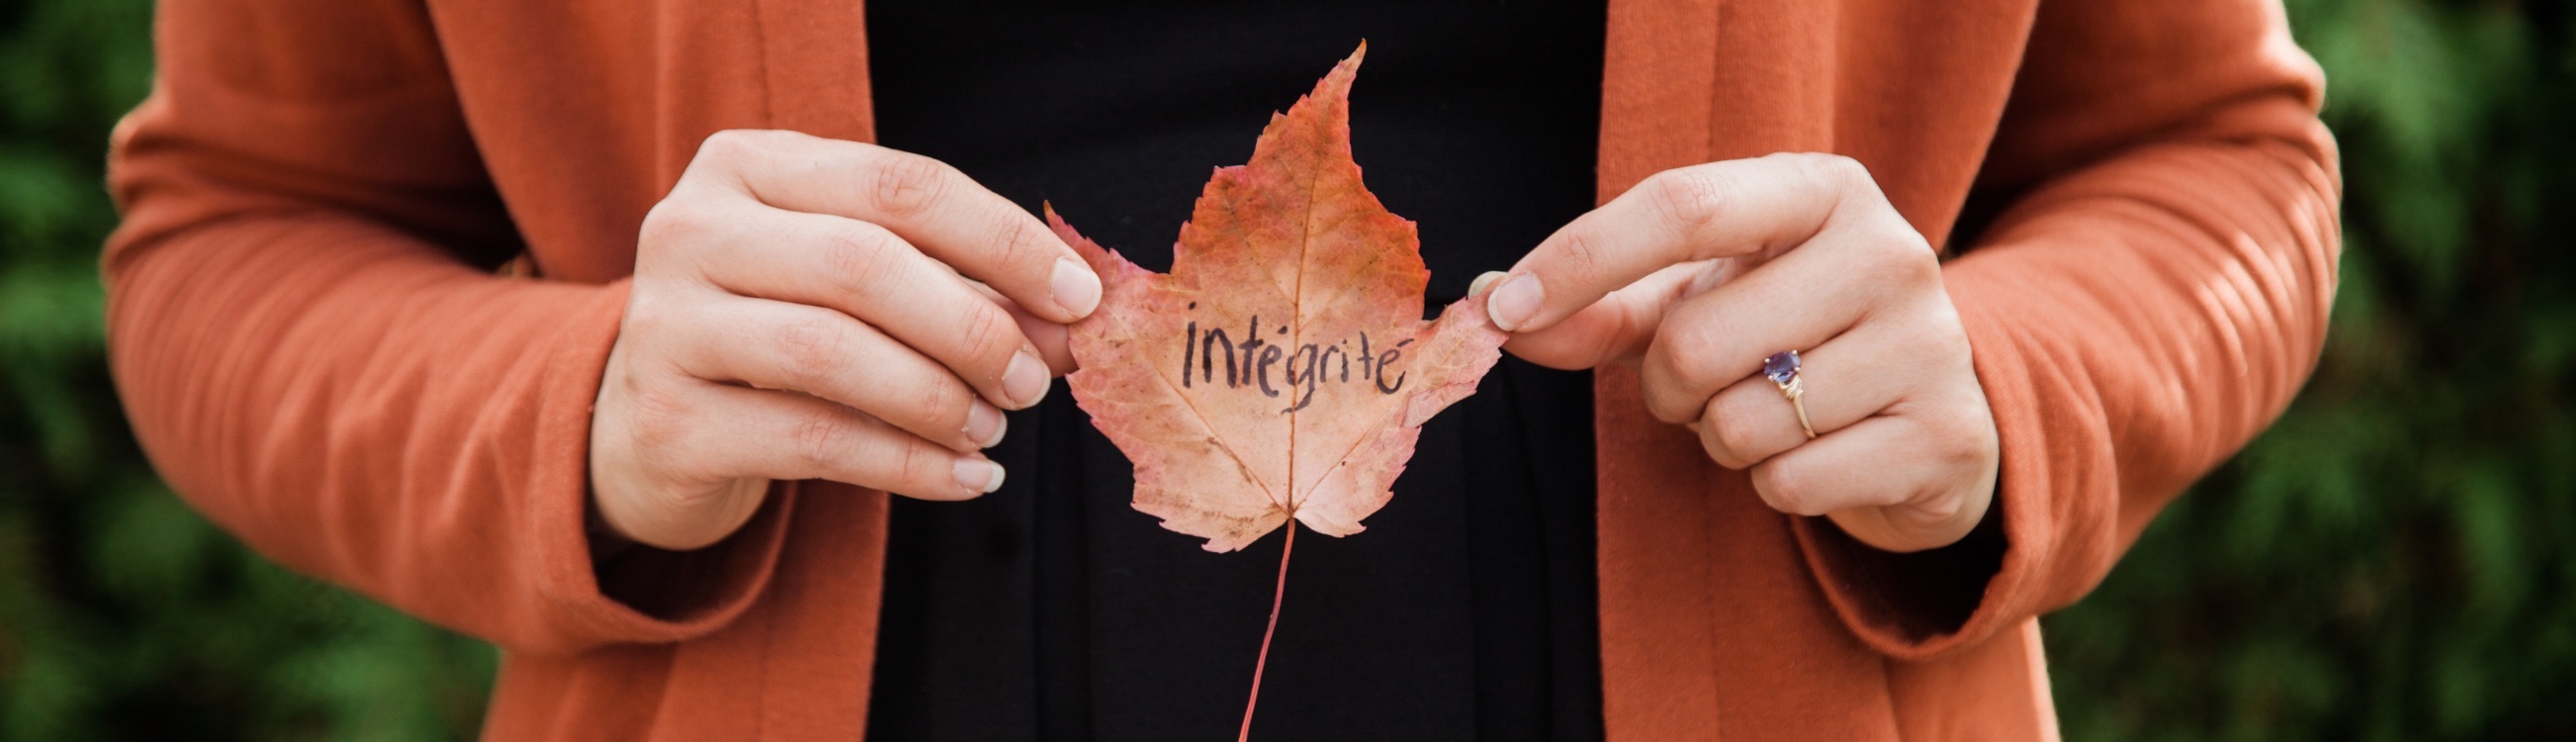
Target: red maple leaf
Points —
{"points": [[1282, 369]]}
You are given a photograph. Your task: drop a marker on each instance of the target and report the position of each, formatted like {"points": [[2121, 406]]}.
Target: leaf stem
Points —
{"points": [[1276, 597]]}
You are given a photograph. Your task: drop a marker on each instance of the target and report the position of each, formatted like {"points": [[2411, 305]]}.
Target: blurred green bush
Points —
{"points": [[2393, 559], [2389, 562], [124, 615]]}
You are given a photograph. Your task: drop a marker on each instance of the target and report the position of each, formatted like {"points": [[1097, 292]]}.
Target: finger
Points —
{"points": [[874, 275], [779, 345], [1851, 377], [1053, 341], [1794, 302], [785, 435], [1879, 461], [948, 215], [1721, 209], [1915, 478], [1617, 327]]}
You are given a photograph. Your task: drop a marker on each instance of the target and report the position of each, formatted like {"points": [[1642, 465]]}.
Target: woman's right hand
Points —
{"points": [[798, 312]]}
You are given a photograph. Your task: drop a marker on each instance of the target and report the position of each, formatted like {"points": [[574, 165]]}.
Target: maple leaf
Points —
{"points": [[1282, 369], [1291, 272]]}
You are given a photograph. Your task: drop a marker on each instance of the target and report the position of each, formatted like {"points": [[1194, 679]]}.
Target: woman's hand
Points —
{"points": [[798, 313], [1698, 274]]}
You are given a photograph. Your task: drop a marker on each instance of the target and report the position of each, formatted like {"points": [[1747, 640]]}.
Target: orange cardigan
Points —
{"points": [[315, 350]]}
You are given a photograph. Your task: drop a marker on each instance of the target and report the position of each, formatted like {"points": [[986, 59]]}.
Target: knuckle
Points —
{"points": [[1951, 337], [1686, 347], [1581, 254], [908, 185], [1896, 256], [648, 315], [860, 258], [676, 223], [1835, 169], [1787, 488], [1024, 243], [1736, 426], [1689, 198], [1926, 336], [901, 465], [989, 337], [1668, 394], [1898, 240], [1970, 438], [1902, 235], [735, 145], [1986, 453], [938, 403], [810, 350], [657, 417], [1942, 506], [921, 467], [1717, 451], [1970, 455], [820, 439], [1944, 339], [725, 145], [1840, 179]]}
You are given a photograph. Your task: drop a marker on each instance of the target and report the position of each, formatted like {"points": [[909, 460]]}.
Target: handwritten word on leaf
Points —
{"points": [[1282, 369]]}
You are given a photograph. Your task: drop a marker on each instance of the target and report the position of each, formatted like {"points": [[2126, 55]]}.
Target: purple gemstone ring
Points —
{"points": [[1782, 369]]}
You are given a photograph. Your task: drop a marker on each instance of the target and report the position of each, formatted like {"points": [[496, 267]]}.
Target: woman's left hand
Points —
{"points": [[1696, 275]]}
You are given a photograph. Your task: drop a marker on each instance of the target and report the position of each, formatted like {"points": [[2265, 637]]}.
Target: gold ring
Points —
{"points": [[1782, 369]]}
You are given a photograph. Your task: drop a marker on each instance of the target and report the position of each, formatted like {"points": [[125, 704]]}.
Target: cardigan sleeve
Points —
{"points": [[2153, 296], [314, 349]]}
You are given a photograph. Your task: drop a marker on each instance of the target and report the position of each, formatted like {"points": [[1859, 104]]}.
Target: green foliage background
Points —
{"points": [[2392, 561]]}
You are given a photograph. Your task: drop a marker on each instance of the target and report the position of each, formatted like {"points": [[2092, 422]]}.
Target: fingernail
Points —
{"points": [[985, 423], [1076, 288], [1515, 302], [1483, 282], [1025, 380], [979, 474]]}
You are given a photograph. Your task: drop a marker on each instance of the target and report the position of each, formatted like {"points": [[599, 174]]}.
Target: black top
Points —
{"points": [[1054, 610]]}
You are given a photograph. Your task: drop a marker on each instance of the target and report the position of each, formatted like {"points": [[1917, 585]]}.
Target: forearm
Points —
{"points": [[2150, 316], [2134, 323], [359, 405]]}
